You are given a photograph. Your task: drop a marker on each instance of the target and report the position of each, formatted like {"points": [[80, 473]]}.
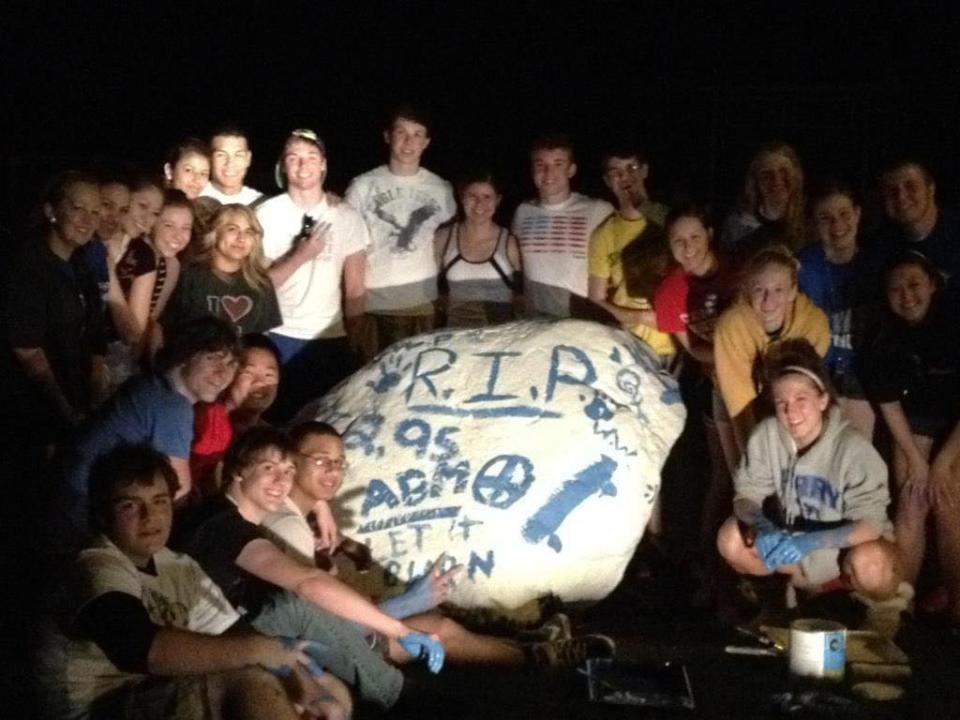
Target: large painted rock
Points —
{"points": [[529, 453]]}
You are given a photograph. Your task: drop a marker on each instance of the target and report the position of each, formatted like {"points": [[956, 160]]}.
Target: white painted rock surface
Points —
{"points": [[530, 453]]}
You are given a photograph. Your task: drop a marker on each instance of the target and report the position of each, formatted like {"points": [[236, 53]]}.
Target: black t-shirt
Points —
{"points": [[200, 291], [219, 538], [919, 365], [53, 304], [141, 259]]}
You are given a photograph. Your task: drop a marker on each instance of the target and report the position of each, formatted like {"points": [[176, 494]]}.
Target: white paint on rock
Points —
{"points": [[530, 453]]}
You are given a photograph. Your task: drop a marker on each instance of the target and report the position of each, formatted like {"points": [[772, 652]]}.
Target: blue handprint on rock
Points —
{"points": [[391, 373]]}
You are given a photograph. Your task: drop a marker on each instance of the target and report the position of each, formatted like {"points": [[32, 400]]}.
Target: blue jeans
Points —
{"points": [[349, 654]]}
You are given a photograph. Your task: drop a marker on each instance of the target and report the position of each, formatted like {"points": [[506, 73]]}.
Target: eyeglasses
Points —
{"points": [[327, 464], [619, 172]]}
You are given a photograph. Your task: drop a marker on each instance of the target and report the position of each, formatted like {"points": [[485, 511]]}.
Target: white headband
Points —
{"points": [[809, 373]]}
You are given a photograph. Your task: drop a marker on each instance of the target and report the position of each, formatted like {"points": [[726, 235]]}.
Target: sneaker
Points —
{"points": [[556, 627], [573, 652]]}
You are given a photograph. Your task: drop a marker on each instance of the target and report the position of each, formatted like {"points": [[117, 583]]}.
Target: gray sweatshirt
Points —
{"points": [[841, 477]]}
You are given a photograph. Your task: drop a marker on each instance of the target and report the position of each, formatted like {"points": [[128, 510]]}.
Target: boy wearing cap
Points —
{"points": [[402, 204], [317, 252], [230, 159]]}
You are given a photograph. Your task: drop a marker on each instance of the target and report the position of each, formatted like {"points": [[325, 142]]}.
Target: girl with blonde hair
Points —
{"points": [[770, 310], [227, 278], [772, 198]]}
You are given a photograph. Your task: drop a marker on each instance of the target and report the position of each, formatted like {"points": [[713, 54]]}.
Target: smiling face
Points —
{"points": [[407, 140], [145, 207], [909, 196], [235, 240], [140, 519], [267, 480], [304, 165], [771, 292], [552, 171], [230, 159], [114, 207], [837, 219], [690, 245], [320, 466], [480, 201], [171, 232], [189, 174], [910, 292], [800, 406], [76, 217], [207, 374], [255, 387]]}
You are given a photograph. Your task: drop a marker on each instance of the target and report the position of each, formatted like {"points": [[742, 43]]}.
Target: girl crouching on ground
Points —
{"points": [[811, 492]]}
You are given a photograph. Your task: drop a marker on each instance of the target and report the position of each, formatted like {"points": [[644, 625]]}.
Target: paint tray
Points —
{"points": [[647, 684]]}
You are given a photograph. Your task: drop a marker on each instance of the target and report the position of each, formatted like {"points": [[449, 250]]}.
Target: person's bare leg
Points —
{"points": [[947, 518], [745, 560], [860, 414], [253, 694], [325, 697], [874, 569], [655, 521], [461, 645], [910, 523], [741, 558]]}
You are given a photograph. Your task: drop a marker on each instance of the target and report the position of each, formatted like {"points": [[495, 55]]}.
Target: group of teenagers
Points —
{"points": [[161, 333]]}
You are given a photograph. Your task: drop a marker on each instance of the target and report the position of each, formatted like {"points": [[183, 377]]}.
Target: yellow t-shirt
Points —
{"points": [[739, 341], [606, 244]]}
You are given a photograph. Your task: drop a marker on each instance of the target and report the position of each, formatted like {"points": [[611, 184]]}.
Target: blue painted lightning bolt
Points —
{"points": [[545, 522]]}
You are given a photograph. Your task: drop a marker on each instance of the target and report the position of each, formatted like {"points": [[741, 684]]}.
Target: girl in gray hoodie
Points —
{"points": [[811, 492]]}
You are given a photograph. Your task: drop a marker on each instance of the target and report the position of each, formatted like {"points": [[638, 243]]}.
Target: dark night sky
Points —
{"points": [[699, 84]]}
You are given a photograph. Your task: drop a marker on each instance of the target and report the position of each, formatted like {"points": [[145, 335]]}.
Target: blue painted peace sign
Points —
{"points": [[503, 480]]}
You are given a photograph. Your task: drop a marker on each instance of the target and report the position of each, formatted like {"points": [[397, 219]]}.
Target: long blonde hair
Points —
{"points": [[750, 195], [253, 266]]}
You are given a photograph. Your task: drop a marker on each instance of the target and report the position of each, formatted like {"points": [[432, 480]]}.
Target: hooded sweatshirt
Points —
{"points": [[740, 341], [840, 478]]}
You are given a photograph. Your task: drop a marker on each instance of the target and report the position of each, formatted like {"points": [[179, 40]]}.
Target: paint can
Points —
{"points": [[818, 649]]}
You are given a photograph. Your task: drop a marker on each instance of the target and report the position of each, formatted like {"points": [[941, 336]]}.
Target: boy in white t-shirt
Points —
{"points": [[230, 158], [317, 255], [554, 230], [142, 632], [402, 204]]}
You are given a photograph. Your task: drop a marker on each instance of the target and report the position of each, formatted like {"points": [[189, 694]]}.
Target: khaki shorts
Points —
{"points": [[381, 330]]}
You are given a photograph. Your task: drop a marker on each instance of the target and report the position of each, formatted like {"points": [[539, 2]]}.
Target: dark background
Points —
{"points": [[699, 84]]}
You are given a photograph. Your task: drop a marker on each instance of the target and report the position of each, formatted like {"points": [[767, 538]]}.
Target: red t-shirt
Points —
{"points": [[670, 302], [212, 434], [693, 304]]}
